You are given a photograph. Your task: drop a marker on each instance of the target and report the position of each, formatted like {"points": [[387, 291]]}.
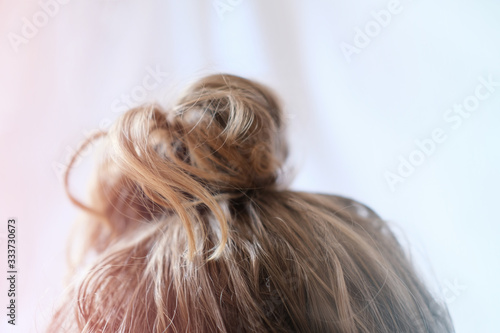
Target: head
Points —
{"points": [[189, 230]]}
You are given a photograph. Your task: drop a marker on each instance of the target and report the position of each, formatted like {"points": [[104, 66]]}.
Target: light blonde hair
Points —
{"points": [[192, 232]]}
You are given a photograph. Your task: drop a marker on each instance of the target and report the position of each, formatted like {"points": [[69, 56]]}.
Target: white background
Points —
{"points": [[349, 121]]}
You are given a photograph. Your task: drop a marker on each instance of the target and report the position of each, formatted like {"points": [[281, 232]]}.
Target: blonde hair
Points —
{"points": [[192, 232]]}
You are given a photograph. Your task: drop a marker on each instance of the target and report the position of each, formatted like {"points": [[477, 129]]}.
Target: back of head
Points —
{"points": [[192, 232]]}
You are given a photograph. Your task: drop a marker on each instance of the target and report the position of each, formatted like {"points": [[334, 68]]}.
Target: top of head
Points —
{"points": [[225, 131]]}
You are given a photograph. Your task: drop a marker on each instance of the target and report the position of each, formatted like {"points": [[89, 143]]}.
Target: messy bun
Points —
{"points": [[222, 139], [191, 232], [230, 130]]}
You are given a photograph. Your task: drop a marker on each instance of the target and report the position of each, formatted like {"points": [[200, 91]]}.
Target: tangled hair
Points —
{"points": [[189, 230]]}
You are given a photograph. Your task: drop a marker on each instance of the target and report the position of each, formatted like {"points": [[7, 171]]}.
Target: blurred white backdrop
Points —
{"points": [[366, 86]]}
